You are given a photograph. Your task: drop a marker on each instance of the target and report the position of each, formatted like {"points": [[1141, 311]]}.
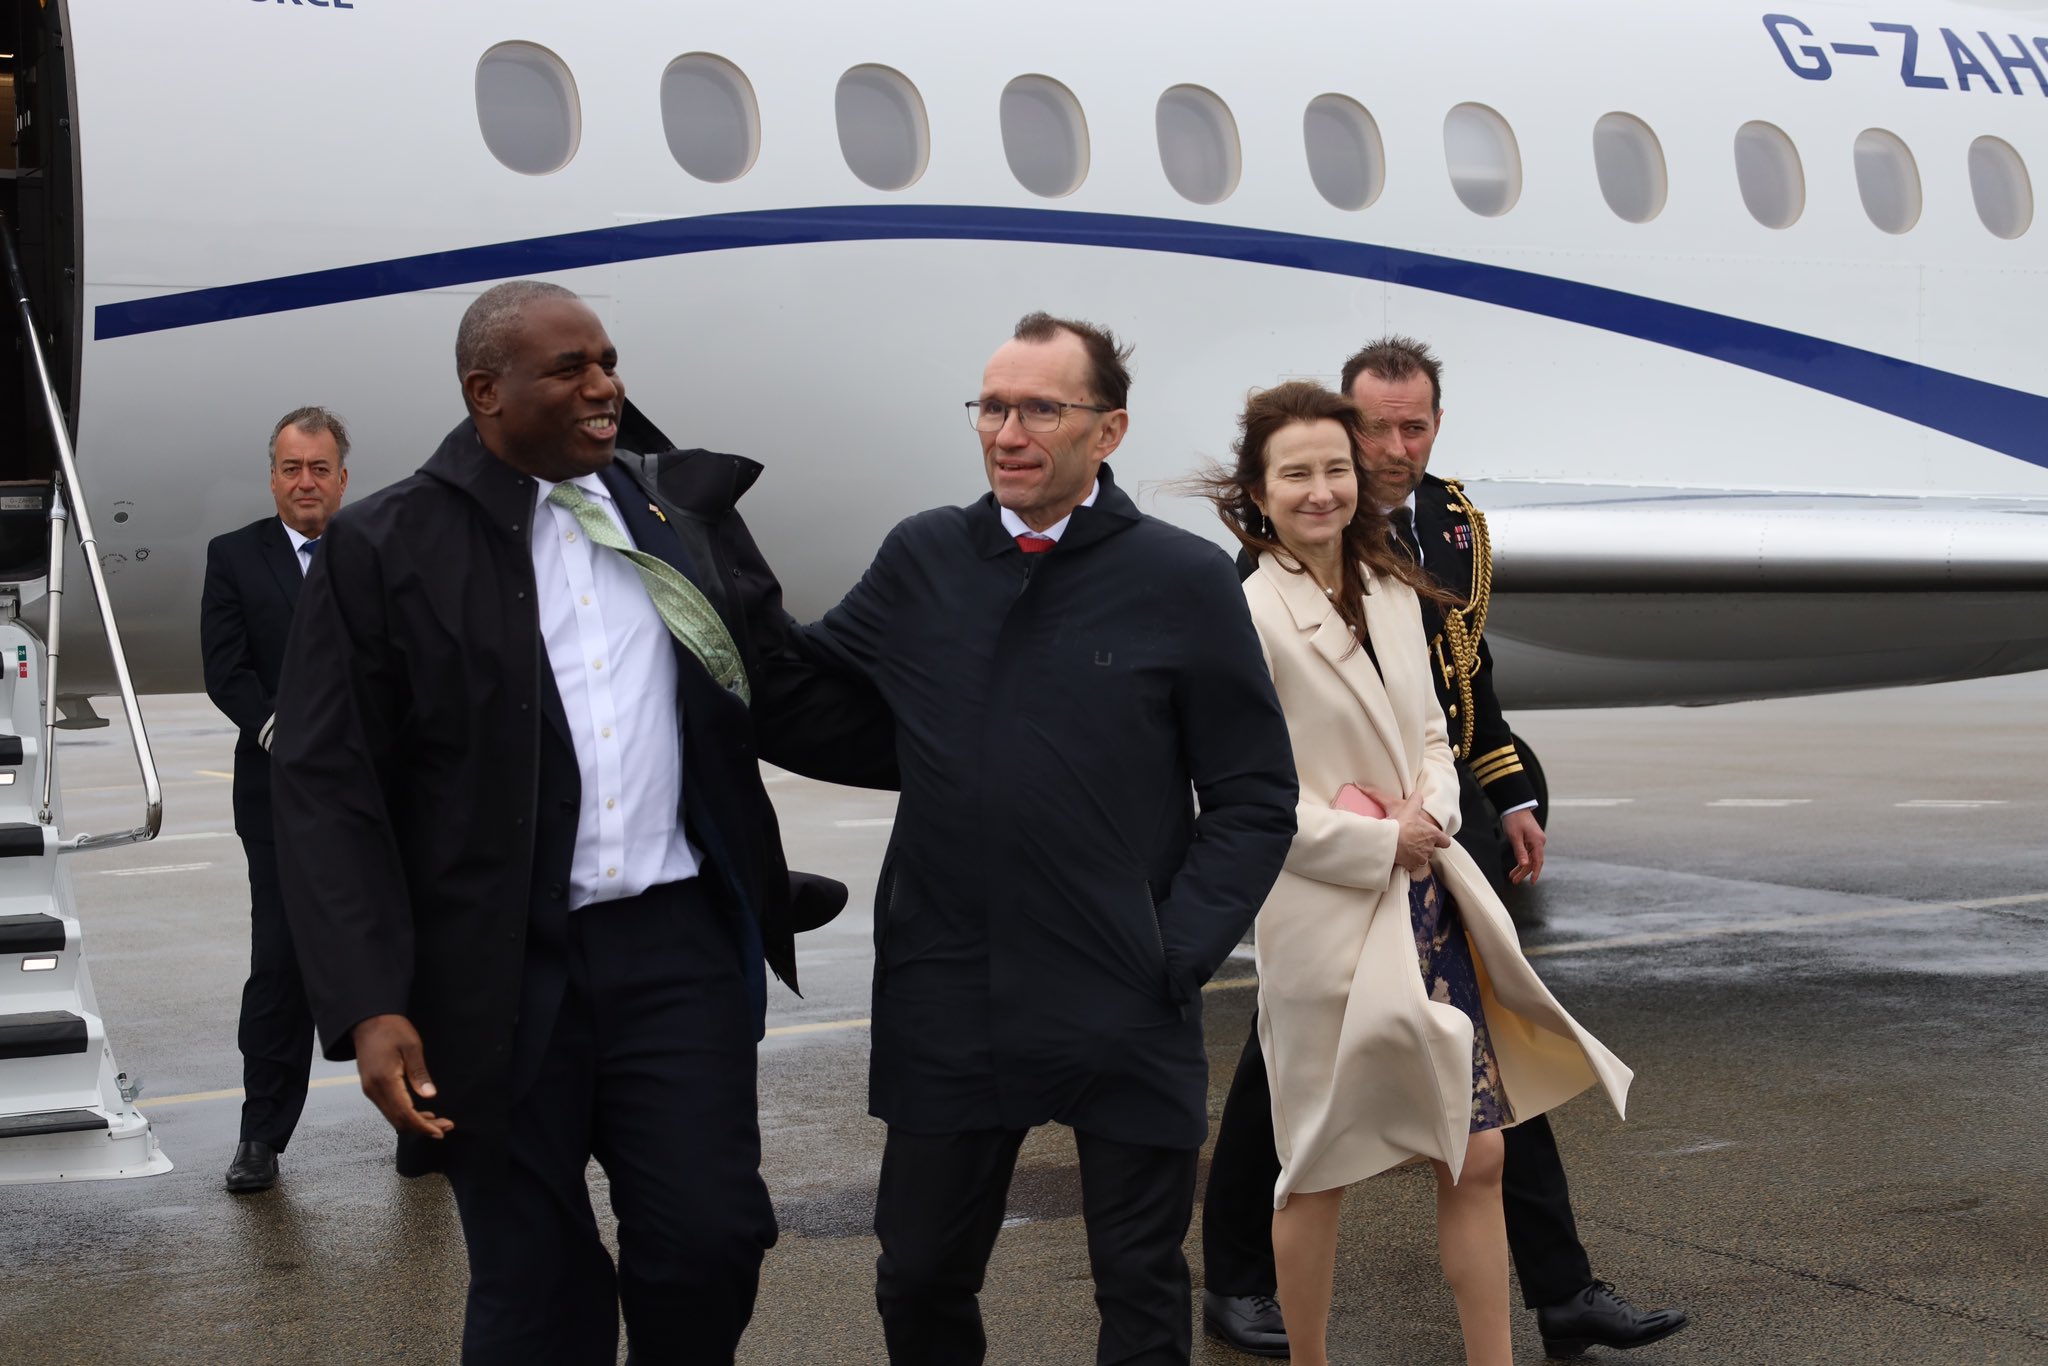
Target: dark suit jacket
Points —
{"points": [[426, 786], [1052, 900], [245, 616]]}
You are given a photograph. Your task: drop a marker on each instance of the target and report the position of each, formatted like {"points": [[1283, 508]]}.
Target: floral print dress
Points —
{"points": [[1445, 956]]}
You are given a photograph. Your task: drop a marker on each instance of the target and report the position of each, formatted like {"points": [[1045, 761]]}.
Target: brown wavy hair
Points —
{"points": [[1368, 539]]}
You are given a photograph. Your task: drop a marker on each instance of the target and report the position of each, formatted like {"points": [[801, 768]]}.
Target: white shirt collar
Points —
{"points": [[592, 486], [1014, 524], [292, 533]]}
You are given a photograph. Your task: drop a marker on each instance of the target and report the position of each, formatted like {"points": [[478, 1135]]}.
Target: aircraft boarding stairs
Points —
{"points": [[66, 1109], [67, 1112]]}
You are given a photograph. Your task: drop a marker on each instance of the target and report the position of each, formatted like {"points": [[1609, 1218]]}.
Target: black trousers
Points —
{"points": [[648, 1066], [940, 1206], [1237, 1209], [276, 1029]]}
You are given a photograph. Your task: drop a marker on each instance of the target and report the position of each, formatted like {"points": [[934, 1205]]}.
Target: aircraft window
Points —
{"points": [[527, 108], [883, 132], [1484, 161], [1888, 180], [1768, 170], [1045, 136], [1630, 163], [710, 116], [1999, 181], [1346, 159], [1198, 146]]}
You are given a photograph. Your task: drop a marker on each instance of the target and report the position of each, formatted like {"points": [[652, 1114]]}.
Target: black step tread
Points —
{"points": [[51, 1122], [21, 841], [11, 752], [33, 933], [41, 1034]]}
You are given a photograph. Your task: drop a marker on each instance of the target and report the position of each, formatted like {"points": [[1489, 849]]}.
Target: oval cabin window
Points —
{"points": [[1888, 179], [1198, 146], [527, 108], [710, 117], [1346, 159], [1045, 137], [1483, 159], [883, 133], [2000, 185], [1768, 171], [1630, 163]]}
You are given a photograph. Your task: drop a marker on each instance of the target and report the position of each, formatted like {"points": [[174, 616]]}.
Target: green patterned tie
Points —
{"points": [[689, 618]]}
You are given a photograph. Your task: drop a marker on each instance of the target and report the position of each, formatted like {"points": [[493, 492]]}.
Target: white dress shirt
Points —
{"points": [[299, 544], [1014, 524], [615, 667]]}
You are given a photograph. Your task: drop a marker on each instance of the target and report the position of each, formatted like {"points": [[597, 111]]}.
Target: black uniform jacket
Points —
{"points": [[1051, 902], [426, 786], [1448, 540], [245, 616]]}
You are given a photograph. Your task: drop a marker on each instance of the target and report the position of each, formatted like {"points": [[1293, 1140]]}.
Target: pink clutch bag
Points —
{"points": [[1352, 798]]}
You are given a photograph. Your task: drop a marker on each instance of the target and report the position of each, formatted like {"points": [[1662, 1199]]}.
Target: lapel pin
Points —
{"points": [[656, 511]]}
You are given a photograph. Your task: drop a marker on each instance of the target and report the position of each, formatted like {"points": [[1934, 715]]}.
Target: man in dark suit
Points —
{"points": [[1397, 383], [1068, 676], [528, 859], [245, 614]]}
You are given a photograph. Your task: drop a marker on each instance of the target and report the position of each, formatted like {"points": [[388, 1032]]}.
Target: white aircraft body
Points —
{"points": [[1743, 309]]}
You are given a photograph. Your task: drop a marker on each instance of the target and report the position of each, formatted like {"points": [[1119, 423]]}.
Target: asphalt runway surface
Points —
{"points": [[1817, 928]]}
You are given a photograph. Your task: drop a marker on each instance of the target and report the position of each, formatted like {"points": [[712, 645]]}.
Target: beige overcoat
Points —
{"points": [[1367, 1072]]}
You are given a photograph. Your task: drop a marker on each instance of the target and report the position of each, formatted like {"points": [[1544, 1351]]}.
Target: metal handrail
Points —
{"points": [[88, 544]]}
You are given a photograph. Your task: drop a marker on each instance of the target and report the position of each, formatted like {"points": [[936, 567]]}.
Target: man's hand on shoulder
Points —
{"points": [[393, 1069], [1527, 839]]}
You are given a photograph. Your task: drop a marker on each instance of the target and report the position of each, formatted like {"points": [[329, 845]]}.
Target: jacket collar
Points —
{"points": [[1314, 613], [505, 494], [706, 484], [1112, 511]]}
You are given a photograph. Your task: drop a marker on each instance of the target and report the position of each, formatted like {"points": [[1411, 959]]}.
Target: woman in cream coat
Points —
{"points": [[1389, 1034]]}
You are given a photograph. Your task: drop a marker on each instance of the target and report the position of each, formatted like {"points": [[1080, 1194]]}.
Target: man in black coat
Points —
{"points": [[527, 855], [1397, 383], [1068, 678], [245, 615]]}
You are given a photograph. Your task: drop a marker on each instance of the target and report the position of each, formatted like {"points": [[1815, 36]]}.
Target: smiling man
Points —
{"points": [[528, 859], [1069, 677], [245, 617]]}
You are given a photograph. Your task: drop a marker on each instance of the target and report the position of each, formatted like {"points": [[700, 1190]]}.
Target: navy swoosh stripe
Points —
{"points": [[2011, 421]]}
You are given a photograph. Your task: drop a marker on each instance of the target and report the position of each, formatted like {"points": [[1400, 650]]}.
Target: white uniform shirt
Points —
{"points": [[615, 667]]}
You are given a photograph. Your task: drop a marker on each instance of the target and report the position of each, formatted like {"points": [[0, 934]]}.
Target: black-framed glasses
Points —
{"points": [[1037, 414]]}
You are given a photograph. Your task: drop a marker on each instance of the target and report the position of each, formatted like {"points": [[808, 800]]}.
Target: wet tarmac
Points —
{"points": [[1817, 928]]}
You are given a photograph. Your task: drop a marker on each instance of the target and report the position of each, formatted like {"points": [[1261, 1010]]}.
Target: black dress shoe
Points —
{"points": [[254, 1168], [1599, 1317], [1250, 1323]]}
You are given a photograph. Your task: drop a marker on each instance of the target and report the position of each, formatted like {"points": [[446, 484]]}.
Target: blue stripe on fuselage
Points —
{"points": [[2011, 421]]}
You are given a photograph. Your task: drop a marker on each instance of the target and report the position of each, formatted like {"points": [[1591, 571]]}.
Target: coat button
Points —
{"points": [[556, 891], [568, 805], [525, 706], [519, 820]]}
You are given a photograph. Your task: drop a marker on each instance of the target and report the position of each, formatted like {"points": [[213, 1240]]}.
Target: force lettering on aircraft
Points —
{"points": [[1941, 60], [316, 4]]}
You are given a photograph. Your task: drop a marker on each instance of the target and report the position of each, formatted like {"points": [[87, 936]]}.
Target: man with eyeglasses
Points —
{"points": [[1070, 678]]}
